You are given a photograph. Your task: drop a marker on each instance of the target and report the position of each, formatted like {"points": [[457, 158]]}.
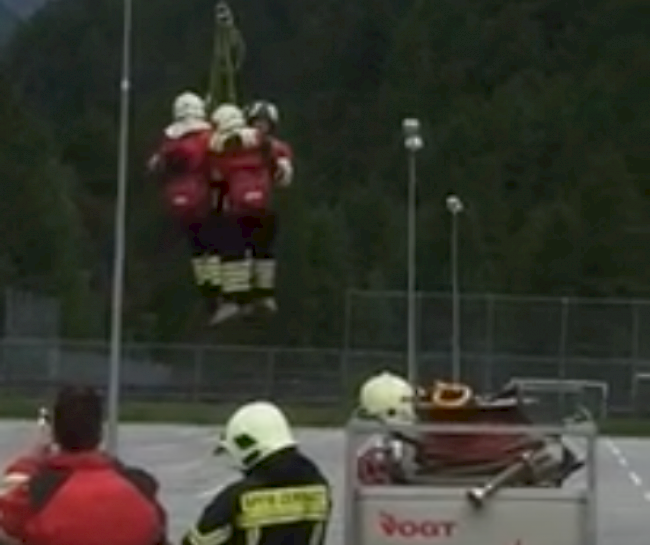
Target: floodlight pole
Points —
{"points": [[119, 244], [413, 143], [455, 207]]}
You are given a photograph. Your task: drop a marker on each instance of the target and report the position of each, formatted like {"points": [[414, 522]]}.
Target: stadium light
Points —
{"points": [[119, 243], [413, 143], [455, 207]]}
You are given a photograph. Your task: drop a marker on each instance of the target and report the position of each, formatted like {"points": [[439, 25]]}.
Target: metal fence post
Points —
{"points": [[489, 343], [417, 338], [8, 309], [197, 389], [344, 378], [636, 326], [4, 361], [270, 373], [53, 364], [345, 352], [564, 333]]}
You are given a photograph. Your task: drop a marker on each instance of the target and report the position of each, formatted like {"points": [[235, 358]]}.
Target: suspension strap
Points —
{"points": [[227, 58]]}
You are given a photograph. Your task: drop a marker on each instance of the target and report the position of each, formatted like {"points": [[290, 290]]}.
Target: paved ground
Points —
{"points": [[180, 456]]}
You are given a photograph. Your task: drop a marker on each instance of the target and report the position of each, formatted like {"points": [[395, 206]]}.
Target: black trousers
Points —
{"points": [[204, 239], [248, 255]]}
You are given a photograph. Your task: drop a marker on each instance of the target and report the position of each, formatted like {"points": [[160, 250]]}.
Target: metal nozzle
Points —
{"points": [[43, 417], [478, 495]]}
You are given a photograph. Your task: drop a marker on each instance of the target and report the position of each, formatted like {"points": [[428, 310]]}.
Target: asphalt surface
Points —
{"points": [[190, 475]]}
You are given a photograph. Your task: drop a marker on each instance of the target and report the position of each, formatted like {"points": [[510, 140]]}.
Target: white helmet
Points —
{"points": [[388, 397], [188, 106], [228, 118], [254, 432]]}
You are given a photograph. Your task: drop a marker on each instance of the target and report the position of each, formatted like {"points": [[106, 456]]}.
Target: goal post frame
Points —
{"points": [[636, 379], [560, 385]]}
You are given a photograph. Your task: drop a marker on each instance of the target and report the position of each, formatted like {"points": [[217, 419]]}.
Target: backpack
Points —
{"points": [[186, 194], [250, 192], [187, 197]]}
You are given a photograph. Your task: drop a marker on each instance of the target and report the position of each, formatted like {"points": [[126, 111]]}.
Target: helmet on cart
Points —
{"points": [[388, 397]]}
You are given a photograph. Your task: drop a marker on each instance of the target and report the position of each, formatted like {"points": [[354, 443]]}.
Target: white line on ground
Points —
{"points": [[209, 493], [163, 446], [615, 450], [635, 478], [620, 458], [211, 439], [180, 467]]}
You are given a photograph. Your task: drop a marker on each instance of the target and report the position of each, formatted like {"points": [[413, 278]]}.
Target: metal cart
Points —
{"points": [[430, 510]]}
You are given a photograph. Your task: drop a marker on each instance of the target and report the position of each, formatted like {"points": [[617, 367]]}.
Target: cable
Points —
{"points": [[227, 58]]}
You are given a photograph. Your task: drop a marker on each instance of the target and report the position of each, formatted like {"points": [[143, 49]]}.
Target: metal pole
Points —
{"points": [[455, 207], [413, 143], [345, 354], [411, 358], [489, 342], [635, 352], [118, 259], [455, 300], [564, 334]]}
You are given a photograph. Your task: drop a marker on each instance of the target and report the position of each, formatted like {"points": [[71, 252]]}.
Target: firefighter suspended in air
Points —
{"points": [[251, 164], [183, 169], [264, 116]]}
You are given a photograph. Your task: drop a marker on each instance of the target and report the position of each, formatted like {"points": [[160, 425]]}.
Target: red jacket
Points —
{"points": [[81, 499], [282, 149], [182, 161], [248, 167]]}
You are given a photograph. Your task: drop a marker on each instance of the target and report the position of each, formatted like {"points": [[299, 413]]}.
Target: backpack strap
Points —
{"points": [[44, 485], [266, 150]]}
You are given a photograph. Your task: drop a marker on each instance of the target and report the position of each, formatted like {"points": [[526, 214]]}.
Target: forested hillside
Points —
{"points": [[23, 8], [537, 113], [8, 22]]}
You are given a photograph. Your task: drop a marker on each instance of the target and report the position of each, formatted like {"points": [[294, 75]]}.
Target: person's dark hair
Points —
{"points": [[77, 418]]}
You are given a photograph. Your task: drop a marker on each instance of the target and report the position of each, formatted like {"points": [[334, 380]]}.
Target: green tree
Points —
{"points": [[534, 112], [42, 237]]}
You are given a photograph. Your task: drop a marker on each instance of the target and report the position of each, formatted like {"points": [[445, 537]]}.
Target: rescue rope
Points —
{"points": [[474, 452], [227, 58], [453, 455]]}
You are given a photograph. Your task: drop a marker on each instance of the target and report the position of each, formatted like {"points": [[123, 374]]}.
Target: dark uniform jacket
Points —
{"points": [[284, 500]]}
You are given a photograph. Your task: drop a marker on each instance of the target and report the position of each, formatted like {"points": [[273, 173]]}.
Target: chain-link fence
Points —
{"points": [[28, 314], [597, 340], [600, 341], [33, 367]]}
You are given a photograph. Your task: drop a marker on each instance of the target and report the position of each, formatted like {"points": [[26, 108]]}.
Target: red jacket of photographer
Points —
{"points": [[84, 498]]}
